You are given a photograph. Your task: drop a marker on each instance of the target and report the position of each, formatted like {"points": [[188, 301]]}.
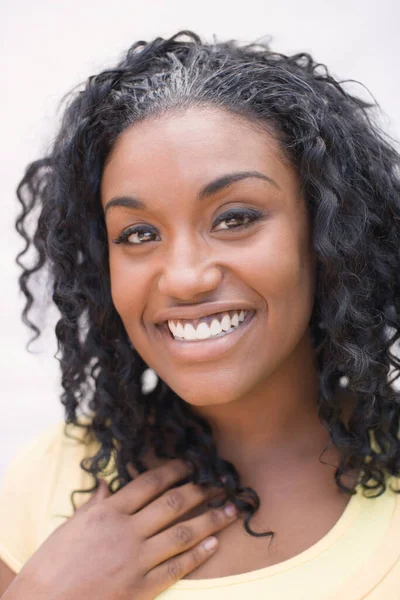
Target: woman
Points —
{"points": [[228, 217]]}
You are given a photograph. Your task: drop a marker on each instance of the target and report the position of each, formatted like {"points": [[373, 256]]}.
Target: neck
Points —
{"points": [[277, 418]]}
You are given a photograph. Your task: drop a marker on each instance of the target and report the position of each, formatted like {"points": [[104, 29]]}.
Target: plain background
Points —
{"points": [[49, 47]]}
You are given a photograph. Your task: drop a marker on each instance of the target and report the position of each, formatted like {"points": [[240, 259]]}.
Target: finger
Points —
{"points": [[100, 493], [148, 486], [170, 506], [186, 535], [171, 571]]}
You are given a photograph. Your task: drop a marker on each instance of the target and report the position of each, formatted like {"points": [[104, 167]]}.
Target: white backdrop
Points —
{"points": [[48, 47]]}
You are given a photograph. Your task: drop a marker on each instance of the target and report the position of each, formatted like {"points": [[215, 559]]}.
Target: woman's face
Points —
{"points": [[206, 227]]}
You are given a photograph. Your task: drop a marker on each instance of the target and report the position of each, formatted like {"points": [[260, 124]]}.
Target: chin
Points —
{"points": [[209, 391]]}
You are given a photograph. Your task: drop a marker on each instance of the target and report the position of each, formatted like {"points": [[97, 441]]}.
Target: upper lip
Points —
{"points": [[199, 311]]}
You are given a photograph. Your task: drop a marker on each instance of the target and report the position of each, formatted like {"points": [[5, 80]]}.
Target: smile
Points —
{"points": [[212, 345], [210, 327]]}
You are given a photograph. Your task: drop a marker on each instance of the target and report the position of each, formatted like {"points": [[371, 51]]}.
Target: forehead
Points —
{"points": [[188, 150]]}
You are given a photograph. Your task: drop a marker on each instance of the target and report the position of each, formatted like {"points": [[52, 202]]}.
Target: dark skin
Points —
{"points": [[259, 391], [257, 386]]}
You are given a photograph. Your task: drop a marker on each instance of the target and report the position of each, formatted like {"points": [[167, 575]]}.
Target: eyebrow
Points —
{"points": [[208, 190]]}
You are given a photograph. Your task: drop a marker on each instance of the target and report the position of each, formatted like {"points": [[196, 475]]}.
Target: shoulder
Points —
{"points": [[373, 543], [60, 442], [35, 495]]}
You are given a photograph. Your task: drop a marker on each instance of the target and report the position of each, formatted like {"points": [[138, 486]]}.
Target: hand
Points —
{"points": [[125, 545]]}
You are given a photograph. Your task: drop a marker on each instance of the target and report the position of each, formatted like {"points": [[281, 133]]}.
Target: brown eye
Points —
{"points": [[233, 222], [236, 219], [136, 235]]}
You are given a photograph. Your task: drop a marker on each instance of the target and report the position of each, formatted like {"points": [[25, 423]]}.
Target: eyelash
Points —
{"points": [[251, 215]]}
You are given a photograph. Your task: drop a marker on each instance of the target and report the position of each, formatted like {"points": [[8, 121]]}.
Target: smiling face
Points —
{"points": [[205, 221]]}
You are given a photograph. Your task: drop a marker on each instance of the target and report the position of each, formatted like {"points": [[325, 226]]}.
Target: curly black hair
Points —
{"points": [[349, 172]]}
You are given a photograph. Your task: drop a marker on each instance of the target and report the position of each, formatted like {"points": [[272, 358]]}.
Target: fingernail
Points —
{"points": [[230, 510], [210, 543]]}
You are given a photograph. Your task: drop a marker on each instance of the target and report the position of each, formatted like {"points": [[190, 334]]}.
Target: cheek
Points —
{"points": [[281, 270], [279, 262], [129, 286]]}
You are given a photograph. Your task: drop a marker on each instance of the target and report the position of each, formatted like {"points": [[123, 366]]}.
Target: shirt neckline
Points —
{"points": [[342, 524]]}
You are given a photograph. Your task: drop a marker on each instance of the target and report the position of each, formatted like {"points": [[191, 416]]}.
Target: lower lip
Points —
{"points": [[204, 350]]}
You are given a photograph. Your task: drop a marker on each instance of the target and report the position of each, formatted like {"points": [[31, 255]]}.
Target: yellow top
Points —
{"points": [[358, 558]]}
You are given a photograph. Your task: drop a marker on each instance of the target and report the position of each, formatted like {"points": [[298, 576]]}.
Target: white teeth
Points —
{"points": [[179, 331], [215, 328], [226, 323], [189, 332], [235, 320], [204, 330]]}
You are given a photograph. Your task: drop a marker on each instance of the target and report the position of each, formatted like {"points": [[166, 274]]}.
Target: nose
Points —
{"points": [[188, 271]]}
